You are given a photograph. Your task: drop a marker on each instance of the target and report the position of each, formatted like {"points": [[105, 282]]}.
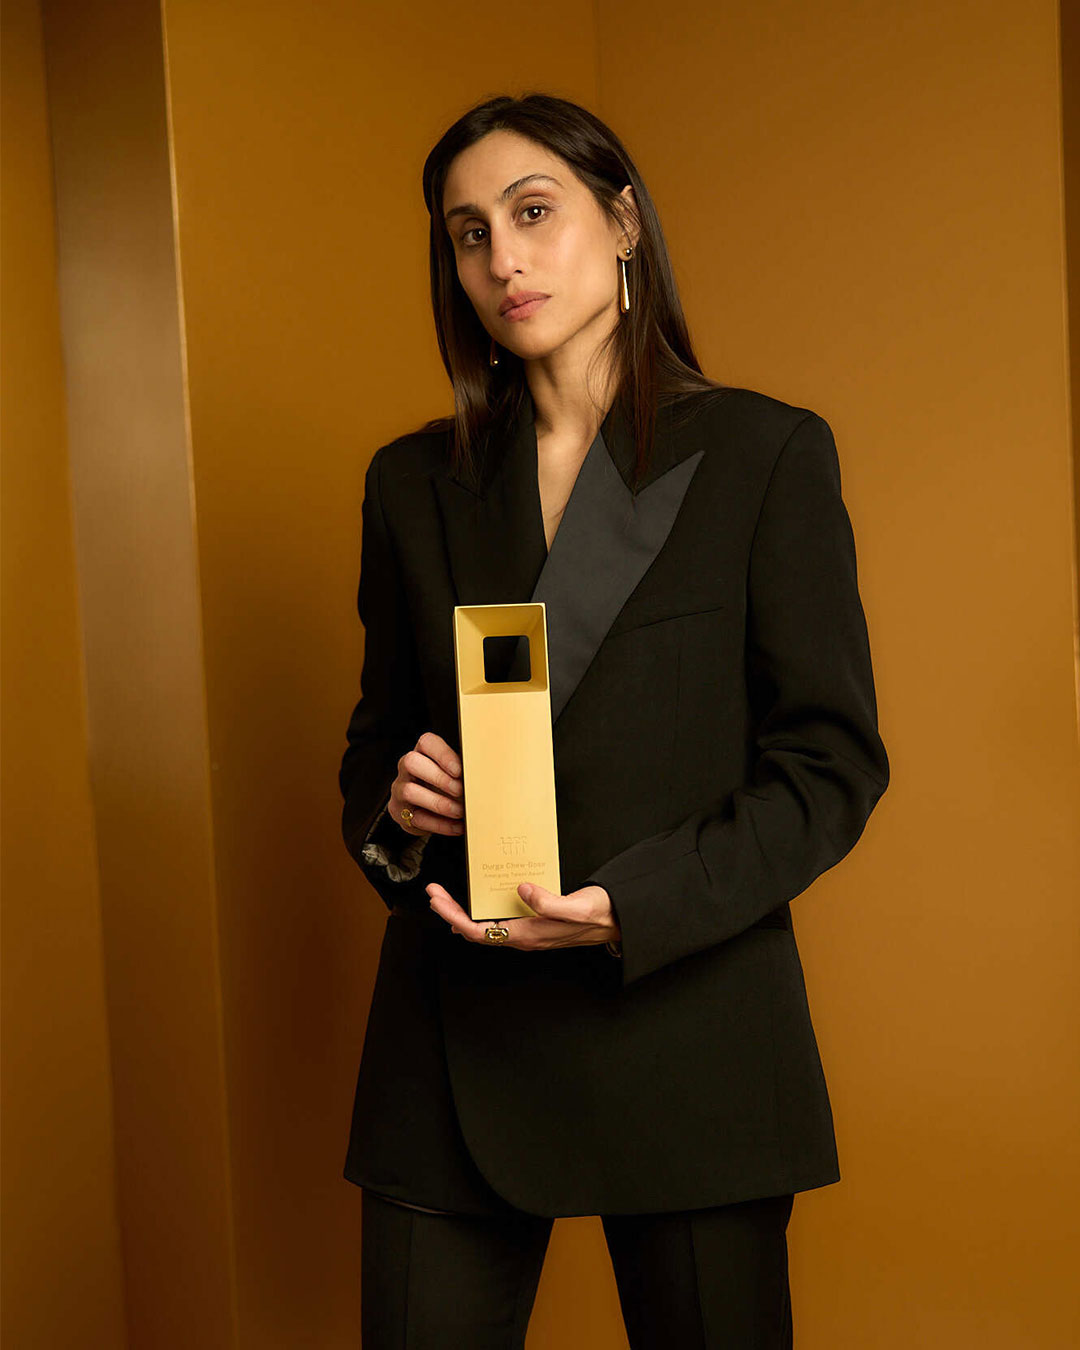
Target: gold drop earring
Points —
{"points": [[624, 293], [493, 354]]}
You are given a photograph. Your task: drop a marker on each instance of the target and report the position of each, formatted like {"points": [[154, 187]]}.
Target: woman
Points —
{"points": [[639, 1047]]}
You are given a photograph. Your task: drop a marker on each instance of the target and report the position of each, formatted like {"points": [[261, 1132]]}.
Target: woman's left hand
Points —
{"points": [[582, 918]]}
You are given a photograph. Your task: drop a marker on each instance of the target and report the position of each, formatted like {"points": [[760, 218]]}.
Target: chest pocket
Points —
{"points": [[639, 611]]}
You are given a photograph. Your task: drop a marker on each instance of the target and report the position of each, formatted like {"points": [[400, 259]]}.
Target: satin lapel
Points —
{"points": [[608, 534], [495, 531], [605, 543]]}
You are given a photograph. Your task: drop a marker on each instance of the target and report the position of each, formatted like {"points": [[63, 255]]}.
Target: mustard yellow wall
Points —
{"points": [[865, 209], [60, 1240], [150, 765]]}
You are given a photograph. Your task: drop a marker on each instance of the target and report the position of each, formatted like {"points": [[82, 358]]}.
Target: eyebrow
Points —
{"points": [[471, 209]]}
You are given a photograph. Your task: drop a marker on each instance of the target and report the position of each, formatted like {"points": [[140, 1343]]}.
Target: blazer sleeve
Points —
{"points": [[387, 720], [820, 765]]}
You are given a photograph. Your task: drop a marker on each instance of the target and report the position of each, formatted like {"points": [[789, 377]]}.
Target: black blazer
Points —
{"points": [[716, 750]]}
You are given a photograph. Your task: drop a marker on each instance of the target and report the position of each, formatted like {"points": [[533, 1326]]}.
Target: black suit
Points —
{"points": [[716, 750]]}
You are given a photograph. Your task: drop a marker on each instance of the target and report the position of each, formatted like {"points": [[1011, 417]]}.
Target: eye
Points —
{"points": [[533, 206]]}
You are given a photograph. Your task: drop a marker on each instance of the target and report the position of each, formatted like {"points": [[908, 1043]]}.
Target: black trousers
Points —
{"points": [[693, 1280]]}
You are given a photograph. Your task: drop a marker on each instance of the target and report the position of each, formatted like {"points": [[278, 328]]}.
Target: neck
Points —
{"points": [[570, 404]]}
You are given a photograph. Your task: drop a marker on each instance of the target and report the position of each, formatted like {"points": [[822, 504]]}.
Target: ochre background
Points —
{"points": [[215, 308]]}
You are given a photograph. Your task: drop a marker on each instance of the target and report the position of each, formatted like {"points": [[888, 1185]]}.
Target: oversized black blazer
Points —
{"points": [[716, 749]]}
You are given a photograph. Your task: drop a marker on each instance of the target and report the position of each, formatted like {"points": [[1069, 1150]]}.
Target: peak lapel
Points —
{"points": [[495, 531], [606, 541]]}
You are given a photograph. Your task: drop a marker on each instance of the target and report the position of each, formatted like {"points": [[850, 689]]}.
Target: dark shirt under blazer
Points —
{"points": [[716, 750]]}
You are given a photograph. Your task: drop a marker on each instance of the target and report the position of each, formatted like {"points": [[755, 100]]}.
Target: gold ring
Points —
{"points": [[406, 815], [496, 932]]}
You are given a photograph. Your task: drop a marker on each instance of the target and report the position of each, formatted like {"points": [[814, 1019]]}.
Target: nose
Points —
{"points": [[504, 259]]}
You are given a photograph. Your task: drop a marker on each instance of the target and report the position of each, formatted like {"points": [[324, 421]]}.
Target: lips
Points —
{"points": [[519, 299]]}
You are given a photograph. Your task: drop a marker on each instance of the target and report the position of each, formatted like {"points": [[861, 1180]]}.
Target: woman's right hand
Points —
{"points": [[429, 780]]}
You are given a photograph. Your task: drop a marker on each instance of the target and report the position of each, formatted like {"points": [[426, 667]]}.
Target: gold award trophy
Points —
{"points": [[507, 757]]}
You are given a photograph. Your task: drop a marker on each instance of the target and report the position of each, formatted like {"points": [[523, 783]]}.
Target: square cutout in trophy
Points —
{"points": [[507, 755]]}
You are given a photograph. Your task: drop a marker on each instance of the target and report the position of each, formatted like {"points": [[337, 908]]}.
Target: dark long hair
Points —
{"points": [[651, 344]]}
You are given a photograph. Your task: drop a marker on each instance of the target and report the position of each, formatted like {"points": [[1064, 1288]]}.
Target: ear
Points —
{"points": [[633, 227]]}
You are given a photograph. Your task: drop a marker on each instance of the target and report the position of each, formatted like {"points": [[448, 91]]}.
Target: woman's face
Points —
{"points": [[547, 235]]}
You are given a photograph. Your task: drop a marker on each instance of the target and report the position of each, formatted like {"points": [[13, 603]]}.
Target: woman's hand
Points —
{"points": [[429, 780], [582, 918]]}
